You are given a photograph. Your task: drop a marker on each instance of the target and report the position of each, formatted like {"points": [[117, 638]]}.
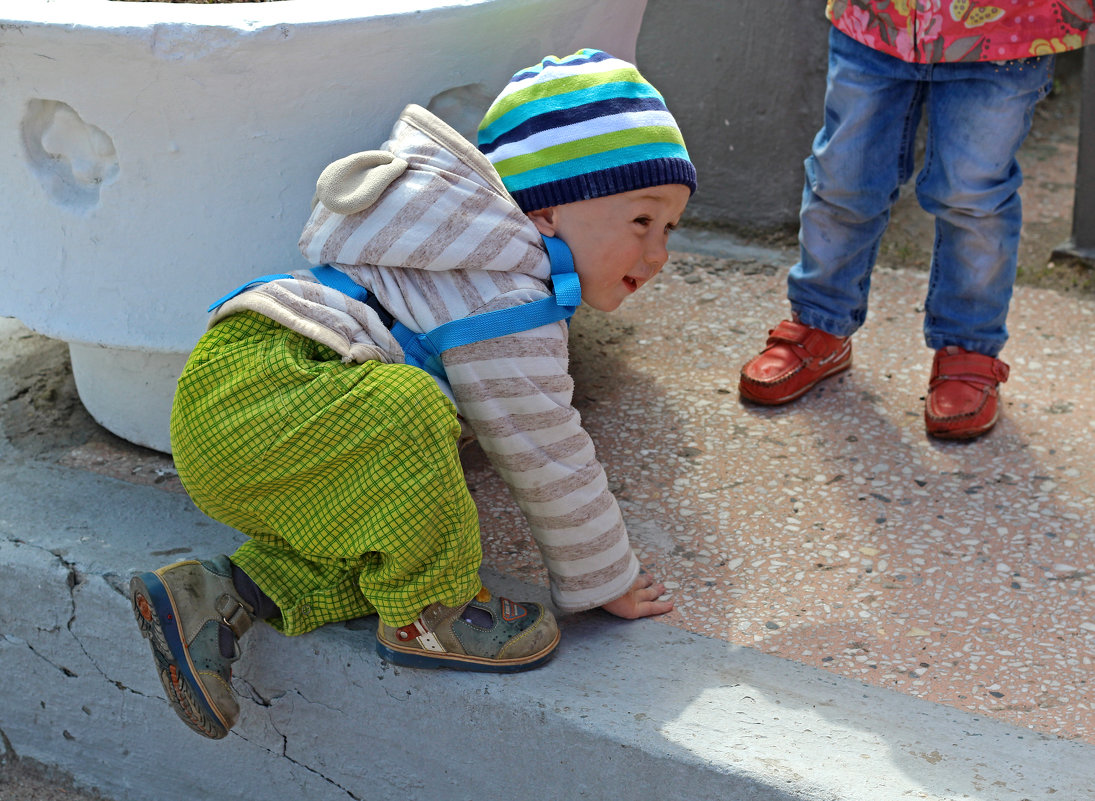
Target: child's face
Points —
{"points": [[618, 241]]}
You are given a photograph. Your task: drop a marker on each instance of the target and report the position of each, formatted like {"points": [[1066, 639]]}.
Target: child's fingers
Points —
{"points": [[641, 600], [646, 588], [651, 592], [650, 608], [646, 594]]}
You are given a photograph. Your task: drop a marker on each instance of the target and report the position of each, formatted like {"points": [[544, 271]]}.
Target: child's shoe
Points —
{"points": [[193, 617], [963, 395], [488, 634], [795, 358]]}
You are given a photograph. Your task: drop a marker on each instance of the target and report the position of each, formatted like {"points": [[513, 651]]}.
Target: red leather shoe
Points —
{"points": [[963, 395], [795, 358]]}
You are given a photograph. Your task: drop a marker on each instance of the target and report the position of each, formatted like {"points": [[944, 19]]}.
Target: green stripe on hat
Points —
{"points": [[558, 86]]}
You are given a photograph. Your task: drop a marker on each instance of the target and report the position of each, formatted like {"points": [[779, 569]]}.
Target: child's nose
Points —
{"points": [[657, 254]]}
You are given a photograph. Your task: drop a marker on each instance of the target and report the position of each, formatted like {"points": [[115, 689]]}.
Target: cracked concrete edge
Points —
{"points": [[624, 708]]}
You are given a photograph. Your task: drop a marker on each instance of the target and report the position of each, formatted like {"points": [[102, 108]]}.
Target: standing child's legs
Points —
{"points": [[979, 114], [860, 158]]}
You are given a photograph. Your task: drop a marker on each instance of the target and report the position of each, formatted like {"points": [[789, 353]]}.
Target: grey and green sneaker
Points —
{"points": [[488, 634], [193, 617]]}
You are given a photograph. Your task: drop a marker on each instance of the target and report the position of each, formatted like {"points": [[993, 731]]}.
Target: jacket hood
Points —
{"points": [[428, 200]]}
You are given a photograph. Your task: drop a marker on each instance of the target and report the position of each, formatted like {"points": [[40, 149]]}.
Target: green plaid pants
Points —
{"points": [[345, 477]]}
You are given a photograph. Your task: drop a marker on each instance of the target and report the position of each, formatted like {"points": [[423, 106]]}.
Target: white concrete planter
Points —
{"points": [[155, 155]]}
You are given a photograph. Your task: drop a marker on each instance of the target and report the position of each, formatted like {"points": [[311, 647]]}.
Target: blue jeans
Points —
{"points": [[978, 115]]}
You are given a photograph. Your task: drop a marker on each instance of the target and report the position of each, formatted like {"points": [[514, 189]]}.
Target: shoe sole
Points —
{"points": [[965, 433], [157, 617], [840, 367], [397, 655]]}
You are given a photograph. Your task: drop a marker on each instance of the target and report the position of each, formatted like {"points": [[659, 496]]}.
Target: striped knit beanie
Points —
{"points": [[580, 127]]}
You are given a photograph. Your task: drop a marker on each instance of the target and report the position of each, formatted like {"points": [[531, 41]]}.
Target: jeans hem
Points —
{"points": [[830, 325], [974, 346]]}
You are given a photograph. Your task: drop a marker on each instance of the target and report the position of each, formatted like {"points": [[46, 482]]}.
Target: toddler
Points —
{"points": [[321, 411]]}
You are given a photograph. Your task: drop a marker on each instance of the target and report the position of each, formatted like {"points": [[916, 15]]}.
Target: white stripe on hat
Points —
{"points": [[584, 130]]}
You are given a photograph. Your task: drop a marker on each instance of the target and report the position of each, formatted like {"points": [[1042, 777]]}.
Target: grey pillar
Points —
{"points": [[1082, 244], [746, 82], [1083, 215]]}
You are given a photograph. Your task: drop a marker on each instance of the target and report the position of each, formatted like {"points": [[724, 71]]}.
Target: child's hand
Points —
{"points": [[641, 600]]}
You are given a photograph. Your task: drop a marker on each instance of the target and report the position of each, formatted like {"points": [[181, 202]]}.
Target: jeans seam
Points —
{"points": [[908, 137]]}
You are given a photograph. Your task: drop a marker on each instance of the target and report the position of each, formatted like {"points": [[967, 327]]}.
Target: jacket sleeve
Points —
{"points": [[515, 393]]}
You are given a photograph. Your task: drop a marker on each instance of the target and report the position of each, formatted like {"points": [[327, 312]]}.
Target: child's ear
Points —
{"points": [[544, 220]]}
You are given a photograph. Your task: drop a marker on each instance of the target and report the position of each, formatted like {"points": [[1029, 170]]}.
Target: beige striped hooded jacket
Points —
{"points": [[441, 241]]}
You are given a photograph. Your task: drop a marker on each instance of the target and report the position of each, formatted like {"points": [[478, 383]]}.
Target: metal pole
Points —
{"points": [[1082, 244]]}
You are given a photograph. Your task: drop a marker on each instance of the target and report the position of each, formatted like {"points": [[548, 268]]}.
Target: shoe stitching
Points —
{"points": [[802, 363]]}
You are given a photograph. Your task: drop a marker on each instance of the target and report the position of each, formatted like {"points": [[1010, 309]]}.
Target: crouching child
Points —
{"points": [[320, 413]]}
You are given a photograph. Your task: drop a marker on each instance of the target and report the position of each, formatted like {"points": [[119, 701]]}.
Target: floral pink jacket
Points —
{"points": [[931, 31]]}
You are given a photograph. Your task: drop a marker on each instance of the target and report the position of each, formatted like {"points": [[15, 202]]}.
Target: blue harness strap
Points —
{"points": [[424, 350], [325, 274], [336, 279], [262, 279]]}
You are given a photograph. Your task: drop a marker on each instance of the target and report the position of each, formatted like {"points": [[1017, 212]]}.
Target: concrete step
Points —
{"points": [[624, 710]]}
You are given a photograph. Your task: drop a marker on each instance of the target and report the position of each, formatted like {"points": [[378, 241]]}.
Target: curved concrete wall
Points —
{"points": [[155, 155]]}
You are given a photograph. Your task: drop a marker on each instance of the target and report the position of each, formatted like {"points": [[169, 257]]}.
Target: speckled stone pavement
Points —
{"points": [[834, 532]]}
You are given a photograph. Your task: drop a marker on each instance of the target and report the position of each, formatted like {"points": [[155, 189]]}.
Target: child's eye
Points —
{"points": [[643, 220]]}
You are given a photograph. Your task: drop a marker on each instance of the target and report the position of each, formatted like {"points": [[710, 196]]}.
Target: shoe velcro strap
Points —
{"points": [[418, 631], [812, 340], [412, 631], [975, 367], [233, 614]]}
